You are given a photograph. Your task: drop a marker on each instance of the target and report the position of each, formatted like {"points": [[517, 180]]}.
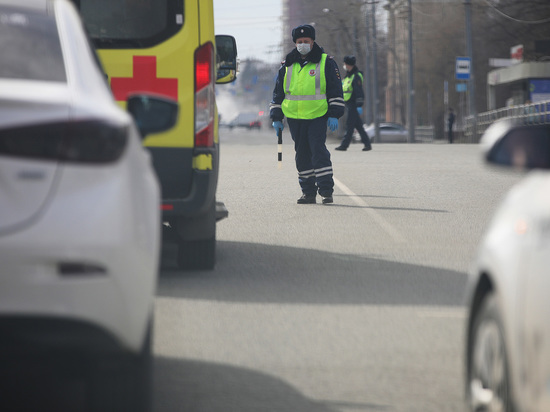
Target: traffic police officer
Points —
{"points": [[308, 91], [354, 98]]}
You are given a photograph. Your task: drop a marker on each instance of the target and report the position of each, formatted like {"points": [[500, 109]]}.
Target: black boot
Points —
{"points": [[307, 199]]}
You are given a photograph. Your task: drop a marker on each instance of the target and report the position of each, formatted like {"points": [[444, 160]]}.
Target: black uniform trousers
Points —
{"points": [[352, 123], [312, 156]]}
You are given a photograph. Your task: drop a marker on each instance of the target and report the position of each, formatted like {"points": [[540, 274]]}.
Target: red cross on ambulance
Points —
{"points": [[144, 80]]}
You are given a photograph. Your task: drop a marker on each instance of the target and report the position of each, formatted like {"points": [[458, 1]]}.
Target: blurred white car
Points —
{"points": [[389, 133], [79, 220], [508, 327]]}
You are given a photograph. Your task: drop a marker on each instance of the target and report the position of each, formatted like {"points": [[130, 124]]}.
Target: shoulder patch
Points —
{"points": [[330, 57]]}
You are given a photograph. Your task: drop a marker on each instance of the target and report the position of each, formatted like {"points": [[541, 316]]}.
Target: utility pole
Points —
{"points": [[375, 77], [471, 82], [410, 120], [368, 79]]}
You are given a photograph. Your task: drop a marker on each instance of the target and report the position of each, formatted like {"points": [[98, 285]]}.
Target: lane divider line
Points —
{"points": [[443, 314], [383, 223]]}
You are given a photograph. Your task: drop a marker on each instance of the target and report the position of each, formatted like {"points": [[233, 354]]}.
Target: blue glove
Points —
{"points": [[278, 125], [332, 123], [360, 111]]}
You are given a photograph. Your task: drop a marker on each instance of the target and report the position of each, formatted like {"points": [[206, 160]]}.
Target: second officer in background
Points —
{"points": [[308, 91], [354, 98]]}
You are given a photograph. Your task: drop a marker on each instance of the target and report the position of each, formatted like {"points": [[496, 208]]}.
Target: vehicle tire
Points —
{"points": [[197, 241], [124, 383], [488, 381], [197, 254]]}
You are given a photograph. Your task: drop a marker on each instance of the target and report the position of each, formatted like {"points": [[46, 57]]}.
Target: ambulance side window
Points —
{"points": [[30, 47]]}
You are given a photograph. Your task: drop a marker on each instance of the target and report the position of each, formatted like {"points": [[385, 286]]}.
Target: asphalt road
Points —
{"points": [[354, 306]]}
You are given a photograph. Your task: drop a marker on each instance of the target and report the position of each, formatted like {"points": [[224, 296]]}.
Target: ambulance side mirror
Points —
{"points": [[226, 59], [152, 114]]}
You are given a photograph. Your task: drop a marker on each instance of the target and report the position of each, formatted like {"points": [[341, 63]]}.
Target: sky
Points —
{"points": [[256, 26]]}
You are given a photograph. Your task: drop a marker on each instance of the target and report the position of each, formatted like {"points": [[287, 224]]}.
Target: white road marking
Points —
{"points": [[443, 313], [383, 223]]}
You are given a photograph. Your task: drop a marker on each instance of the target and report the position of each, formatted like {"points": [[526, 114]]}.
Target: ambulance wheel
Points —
{"points": [[197, 254], [197, 240]]}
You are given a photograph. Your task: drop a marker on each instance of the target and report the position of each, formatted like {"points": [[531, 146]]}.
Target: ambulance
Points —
{"points": [[168, 47]]}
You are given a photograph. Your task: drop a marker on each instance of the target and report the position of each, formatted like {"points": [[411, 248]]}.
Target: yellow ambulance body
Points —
{"points": [[168, 47]]}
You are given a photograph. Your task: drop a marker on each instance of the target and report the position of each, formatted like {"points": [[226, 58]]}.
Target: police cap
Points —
{"points": [[349, 60], [305, 30]]}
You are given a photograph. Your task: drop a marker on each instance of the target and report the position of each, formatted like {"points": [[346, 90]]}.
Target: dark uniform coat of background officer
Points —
{"points": [[354, 103], [309, 134]]}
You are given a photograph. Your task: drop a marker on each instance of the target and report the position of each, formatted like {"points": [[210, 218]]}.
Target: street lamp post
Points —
{"points": [[410, 119], [391, 96]]}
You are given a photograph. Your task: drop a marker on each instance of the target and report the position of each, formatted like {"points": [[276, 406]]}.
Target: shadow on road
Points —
{"points": [[193, 386], [250, 272], [178, 385]]}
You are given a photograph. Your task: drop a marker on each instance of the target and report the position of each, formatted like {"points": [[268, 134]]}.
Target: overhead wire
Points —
{"points": [[541, 21]]}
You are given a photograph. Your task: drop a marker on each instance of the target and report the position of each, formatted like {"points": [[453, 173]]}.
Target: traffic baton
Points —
{"points": [[279, 148]]}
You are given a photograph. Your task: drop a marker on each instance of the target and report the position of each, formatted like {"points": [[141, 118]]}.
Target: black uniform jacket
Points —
{"points": [[357, 95], [334, 93]]}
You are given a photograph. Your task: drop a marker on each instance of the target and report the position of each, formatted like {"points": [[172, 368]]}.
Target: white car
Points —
{"points": [[389, 133], [79, 220], [508, 327]]}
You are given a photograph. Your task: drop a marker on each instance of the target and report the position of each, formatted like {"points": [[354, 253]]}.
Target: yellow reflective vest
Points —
{"points": [[305, 90], [347, 86]]}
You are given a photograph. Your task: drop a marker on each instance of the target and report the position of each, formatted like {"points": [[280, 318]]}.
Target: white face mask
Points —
{"points": [[303, 48]]}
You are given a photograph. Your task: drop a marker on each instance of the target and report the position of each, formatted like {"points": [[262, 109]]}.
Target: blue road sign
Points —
{"points": [[463, 65]]}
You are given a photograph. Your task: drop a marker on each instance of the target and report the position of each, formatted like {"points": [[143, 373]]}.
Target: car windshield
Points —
{"points": [[30, 46], [139, 23]]}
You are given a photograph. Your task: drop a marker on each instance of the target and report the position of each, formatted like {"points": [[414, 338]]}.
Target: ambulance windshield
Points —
{"points": [[131, 23]]}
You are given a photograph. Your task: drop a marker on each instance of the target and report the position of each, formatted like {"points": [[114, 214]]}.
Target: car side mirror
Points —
{"points": [[226, 59], [152, 114], [522, 147]]}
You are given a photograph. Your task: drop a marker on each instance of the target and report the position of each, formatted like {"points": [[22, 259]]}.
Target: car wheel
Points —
{"points": [[197, 241], [124, 383], [488, 380]]}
